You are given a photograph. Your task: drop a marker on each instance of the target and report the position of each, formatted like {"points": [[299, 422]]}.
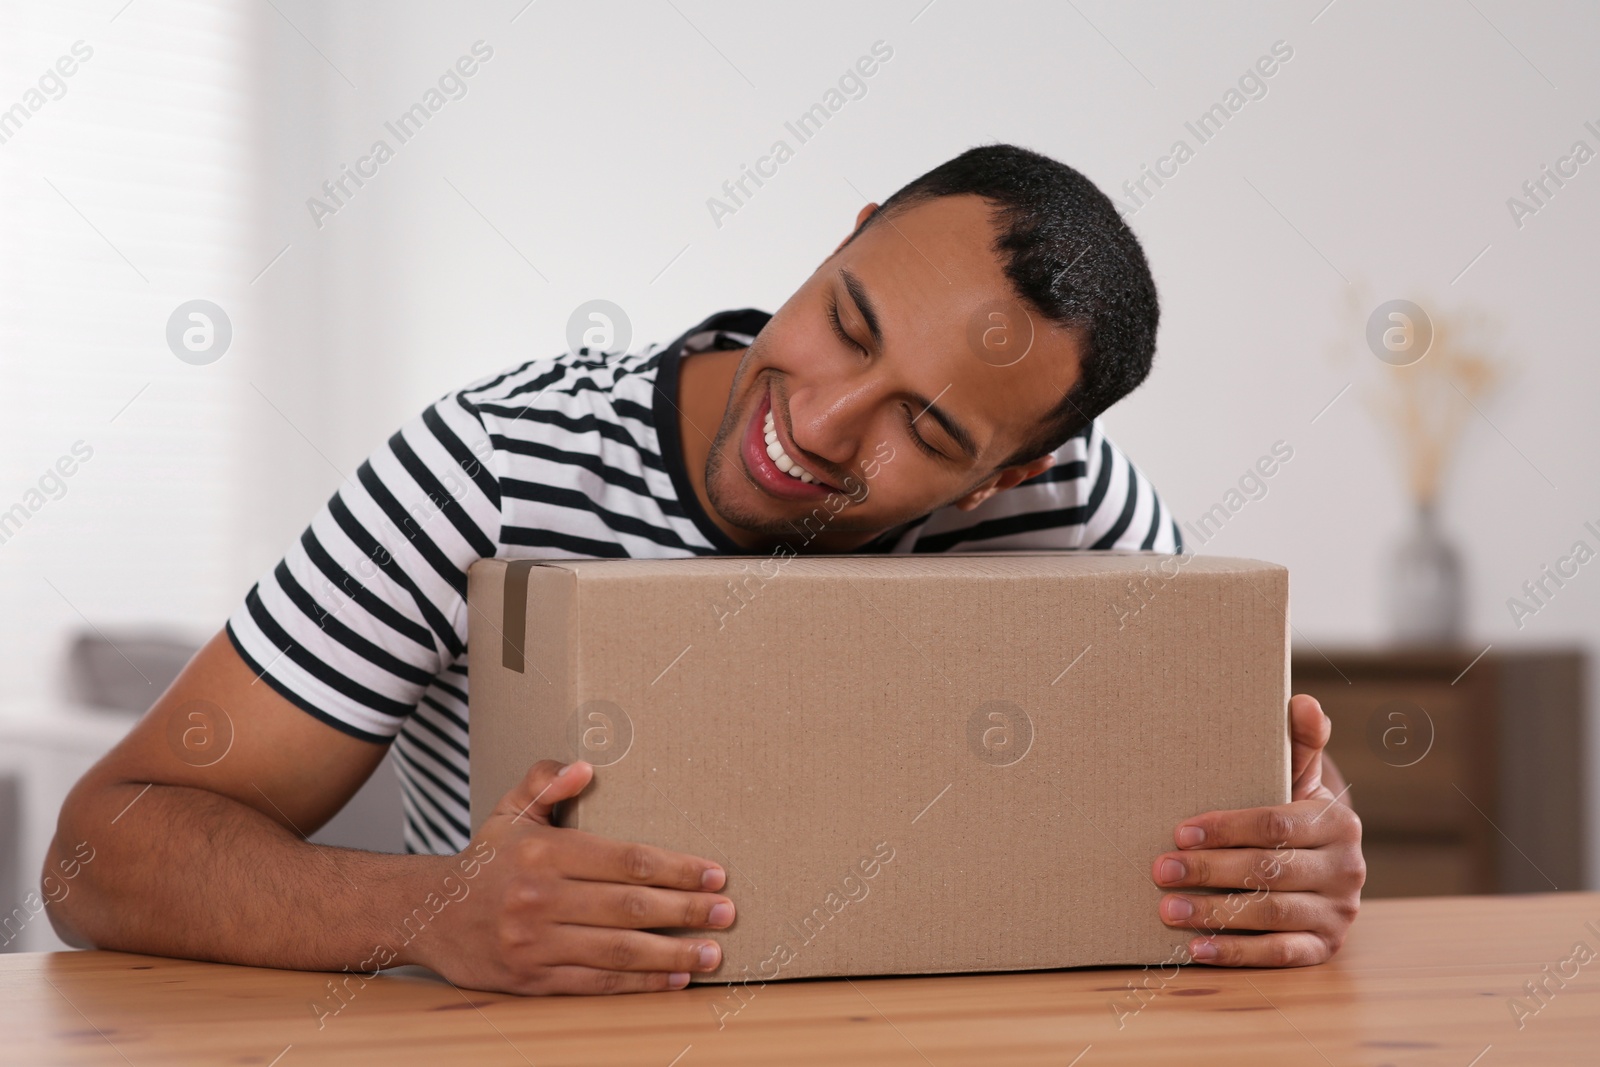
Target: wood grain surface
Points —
{"points": [[1421, 981]]}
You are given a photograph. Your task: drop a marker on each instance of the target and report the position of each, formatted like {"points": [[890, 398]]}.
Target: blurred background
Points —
{"points": [[1371, 248]]}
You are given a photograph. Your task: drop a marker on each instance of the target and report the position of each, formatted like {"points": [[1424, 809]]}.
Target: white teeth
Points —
{"points": [[778, 456]]}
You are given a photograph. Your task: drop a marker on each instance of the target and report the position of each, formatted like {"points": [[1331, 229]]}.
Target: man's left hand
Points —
{"points": [[1293, 872]]}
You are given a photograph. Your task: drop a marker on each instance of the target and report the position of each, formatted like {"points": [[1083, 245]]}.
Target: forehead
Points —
{"points": [[951, 318]]}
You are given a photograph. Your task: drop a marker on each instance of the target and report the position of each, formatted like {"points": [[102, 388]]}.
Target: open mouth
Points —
{"points": [[771, 466]]}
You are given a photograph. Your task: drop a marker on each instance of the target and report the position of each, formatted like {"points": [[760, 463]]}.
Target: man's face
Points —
{"points": [[933, 384]]}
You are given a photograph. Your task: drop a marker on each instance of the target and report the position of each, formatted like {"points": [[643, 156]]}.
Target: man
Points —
{"points": [[933, 385]]}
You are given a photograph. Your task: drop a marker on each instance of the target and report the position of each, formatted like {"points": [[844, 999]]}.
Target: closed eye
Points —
{"points": [[838, 328], [918, 439]]}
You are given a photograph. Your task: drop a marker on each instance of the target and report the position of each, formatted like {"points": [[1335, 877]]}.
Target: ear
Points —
{"points": [[1005, 478], [860, 218]]}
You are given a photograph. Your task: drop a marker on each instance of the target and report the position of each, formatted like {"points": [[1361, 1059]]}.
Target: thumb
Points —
{"points": [[1309, 730], [547, 783]]}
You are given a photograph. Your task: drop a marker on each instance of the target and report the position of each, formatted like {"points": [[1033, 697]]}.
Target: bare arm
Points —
{"points": [[211, 862]]}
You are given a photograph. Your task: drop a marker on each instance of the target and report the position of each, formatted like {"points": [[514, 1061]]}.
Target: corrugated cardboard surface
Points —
{"points": [[908, 764]]}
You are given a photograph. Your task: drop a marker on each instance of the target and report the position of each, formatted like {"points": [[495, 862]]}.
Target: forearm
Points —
{"points": [[186, 872]]}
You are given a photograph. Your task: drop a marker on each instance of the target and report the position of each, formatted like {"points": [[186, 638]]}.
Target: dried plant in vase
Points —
{"points": [[1430, 376]]}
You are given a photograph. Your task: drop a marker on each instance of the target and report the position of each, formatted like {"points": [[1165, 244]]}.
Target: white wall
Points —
{"points": [[124, 197], [1379, 163]]}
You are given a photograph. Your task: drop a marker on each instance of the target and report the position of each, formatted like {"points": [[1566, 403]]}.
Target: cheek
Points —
{"points": [[897, 482], [794, 339]]}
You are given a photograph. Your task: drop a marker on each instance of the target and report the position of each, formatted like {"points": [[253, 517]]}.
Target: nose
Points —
{"points": [[830, 418]]}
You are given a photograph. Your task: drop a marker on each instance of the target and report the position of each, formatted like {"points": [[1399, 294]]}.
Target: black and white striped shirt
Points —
{"points": [[363, 623]]}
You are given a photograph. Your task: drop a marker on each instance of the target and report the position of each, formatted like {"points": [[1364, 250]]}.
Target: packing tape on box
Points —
{"points": [[514, 614]]}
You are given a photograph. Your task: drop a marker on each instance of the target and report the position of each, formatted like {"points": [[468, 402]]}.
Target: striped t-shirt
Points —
{"points": [[363, 623]]}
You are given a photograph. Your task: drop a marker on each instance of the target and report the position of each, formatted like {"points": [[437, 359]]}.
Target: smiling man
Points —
{"points": [[934, 385]]}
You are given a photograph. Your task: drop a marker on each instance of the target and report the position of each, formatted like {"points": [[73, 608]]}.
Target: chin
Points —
{"points": [[739, 502], [747, 507]]}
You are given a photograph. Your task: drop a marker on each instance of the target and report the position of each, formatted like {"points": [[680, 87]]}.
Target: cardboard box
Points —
{"points": [[907, 764]]}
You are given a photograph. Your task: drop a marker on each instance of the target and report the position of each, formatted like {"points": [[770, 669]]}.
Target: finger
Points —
{"points": [[1299, 824], [589, 981], [1217, 912], [1309, 730], [1251, 869], [631, 950], [640, 907], [546, 783], [599, 859], [1298, 949]]}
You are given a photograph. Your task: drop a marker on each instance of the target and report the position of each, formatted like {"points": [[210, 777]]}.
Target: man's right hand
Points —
{"points": [[208, 859], [555, 910]]}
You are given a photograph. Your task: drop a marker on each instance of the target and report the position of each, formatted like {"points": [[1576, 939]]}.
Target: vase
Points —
{"points": [[1426, 597]]}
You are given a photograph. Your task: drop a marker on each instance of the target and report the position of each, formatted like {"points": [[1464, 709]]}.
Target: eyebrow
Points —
{"points": [[869, 313], [864, 304]]}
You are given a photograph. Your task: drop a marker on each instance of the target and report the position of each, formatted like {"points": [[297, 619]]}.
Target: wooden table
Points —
{"points": [[1421, 981]]}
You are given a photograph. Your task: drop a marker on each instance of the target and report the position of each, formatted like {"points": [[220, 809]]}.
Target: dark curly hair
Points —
{"points": [[1070, 256]]}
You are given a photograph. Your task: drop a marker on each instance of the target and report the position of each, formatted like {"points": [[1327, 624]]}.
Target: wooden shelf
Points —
{"points": [[1467, 772]]}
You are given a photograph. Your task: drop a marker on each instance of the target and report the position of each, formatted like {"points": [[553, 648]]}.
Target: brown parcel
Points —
{"points": [[905, 764]]}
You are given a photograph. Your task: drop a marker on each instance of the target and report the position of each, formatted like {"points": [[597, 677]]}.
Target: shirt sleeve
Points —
{"points": [[369, 604], [1092, 497]]}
